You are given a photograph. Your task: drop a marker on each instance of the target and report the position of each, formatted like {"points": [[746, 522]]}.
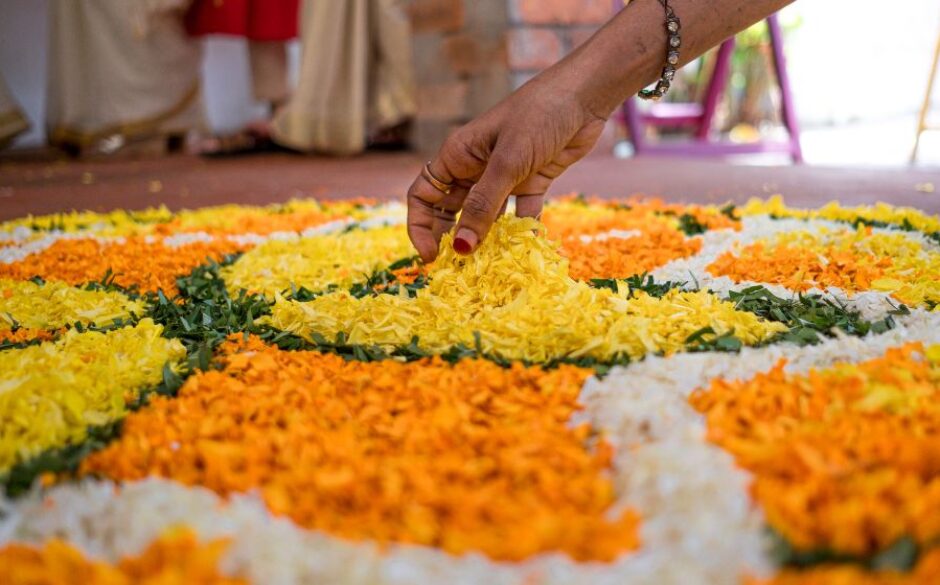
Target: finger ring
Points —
{"points": [[435, 182]]}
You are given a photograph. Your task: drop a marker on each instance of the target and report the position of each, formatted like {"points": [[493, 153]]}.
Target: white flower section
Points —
{"points": [[15, 253], [694, 500], [184, 239], [610, 235], [327, 228], [387, 215], [108, 522], [17, 235]]}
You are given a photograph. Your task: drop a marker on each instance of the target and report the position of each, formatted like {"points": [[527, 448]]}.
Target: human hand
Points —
{"points": [[518, 147]]}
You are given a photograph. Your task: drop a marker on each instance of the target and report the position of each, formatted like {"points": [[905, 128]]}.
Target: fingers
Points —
{"points": [[445, 215], [484, 202], [431, 211], [529, 205], [421, 227]]}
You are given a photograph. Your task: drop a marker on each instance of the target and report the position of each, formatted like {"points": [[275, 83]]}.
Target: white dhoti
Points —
{"points": [[356, 76], [121, 67], [12, 120]]}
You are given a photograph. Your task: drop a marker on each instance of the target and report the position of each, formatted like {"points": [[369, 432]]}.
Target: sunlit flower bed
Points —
{"points": [[625, 391]]}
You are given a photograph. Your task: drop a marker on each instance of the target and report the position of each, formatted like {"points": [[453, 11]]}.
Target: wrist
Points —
{"points": [[623, 57]]}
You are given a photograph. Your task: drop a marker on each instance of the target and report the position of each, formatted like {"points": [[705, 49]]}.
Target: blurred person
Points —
{"points": [[120, 71], [13, 121], [267, 25], [525, 142], [356, 87]]}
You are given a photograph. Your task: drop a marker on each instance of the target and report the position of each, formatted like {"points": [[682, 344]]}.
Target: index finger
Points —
{"points": [[432, 212], [452, 166], [421, 220]]}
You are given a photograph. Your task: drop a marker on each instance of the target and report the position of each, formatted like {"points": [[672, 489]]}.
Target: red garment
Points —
{"points": [[257, 20]]}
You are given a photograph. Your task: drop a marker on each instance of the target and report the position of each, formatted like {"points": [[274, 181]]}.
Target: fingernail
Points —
{"points": [[465, 241]]}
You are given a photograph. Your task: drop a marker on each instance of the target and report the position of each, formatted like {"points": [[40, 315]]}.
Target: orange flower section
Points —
{"points": [[799, 268], [569, 217], [469, 457], [175, 559], [151, 266], [294, 216], [926, 571], [23, 334], [624, 257], [846, 458]]}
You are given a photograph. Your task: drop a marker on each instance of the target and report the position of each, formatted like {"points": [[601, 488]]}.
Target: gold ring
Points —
{"points": [[435, 182]]}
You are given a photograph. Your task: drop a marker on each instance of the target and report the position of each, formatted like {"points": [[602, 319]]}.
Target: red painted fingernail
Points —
{"points": [[465, 241]]}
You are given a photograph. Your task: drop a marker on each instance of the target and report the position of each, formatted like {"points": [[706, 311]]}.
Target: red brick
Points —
{"points": [[442, 101], [469, 54], [531, 48], [436, 15], [561, 11]]}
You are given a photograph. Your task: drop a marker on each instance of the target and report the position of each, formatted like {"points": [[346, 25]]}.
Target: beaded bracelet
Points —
{"points": [[674, 41]]}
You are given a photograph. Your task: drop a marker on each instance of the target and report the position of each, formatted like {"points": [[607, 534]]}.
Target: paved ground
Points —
{"points": [[36, 184]]}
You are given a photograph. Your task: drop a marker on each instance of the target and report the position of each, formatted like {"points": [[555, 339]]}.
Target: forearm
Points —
{"points": [[629, 52]]}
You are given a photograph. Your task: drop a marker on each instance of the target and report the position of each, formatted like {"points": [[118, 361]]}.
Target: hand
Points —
{"points": [[518, 147]]}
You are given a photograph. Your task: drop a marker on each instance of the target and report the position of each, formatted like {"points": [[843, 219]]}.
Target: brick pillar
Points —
{"points": [[460, 54], [471, 53], [543, 31]]}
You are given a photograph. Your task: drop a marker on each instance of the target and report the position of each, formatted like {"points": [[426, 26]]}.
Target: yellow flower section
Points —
{"points": [[318, 262], [50, 393], [853, 260], [515, 294], [846, 459], [177, 558], [120, 222], [56, 304], [880, 212], [293, 216]]}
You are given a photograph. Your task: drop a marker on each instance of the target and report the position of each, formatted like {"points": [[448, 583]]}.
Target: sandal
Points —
{"points": [[243, 143], [395, 138]]}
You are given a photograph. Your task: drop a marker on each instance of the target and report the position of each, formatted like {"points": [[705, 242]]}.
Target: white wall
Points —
{"points": [[861, 59]]}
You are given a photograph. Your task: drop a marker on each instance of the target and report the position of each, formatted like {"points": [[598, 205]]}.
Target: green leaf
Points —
{"points": [[900, 556]]}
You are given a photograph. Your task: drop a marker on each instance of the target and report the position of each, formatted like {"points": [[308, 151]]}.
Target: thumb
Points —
{"points": [[485, 200]]}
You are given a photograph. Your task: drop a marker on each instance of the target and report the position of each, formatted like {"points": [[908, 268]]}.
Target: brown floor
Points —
{"points": [[39, 185]]}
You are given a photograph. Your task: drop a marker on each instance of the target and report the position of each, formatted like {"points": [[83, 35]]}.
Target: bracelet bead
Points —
{"points": [[673, 42]]}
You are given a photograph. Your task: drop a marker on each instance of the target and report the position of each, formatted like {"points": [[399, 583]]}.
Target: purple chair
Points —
{"points": [[699, 117]]}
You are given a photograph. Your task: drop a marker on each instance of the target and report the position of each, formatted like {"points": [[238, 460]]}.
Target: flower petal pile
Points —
{"points": [[51, 393], [851, 260], [130, 263], [54, 305], [465, 457], [625, 391], [318, 262], [174, 559], [513, 298], [846, 458]]}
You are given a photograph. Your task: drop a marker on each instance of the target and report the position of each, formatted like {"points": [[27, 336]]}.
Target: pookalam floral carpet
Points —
{"points": [[623, 392]]}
